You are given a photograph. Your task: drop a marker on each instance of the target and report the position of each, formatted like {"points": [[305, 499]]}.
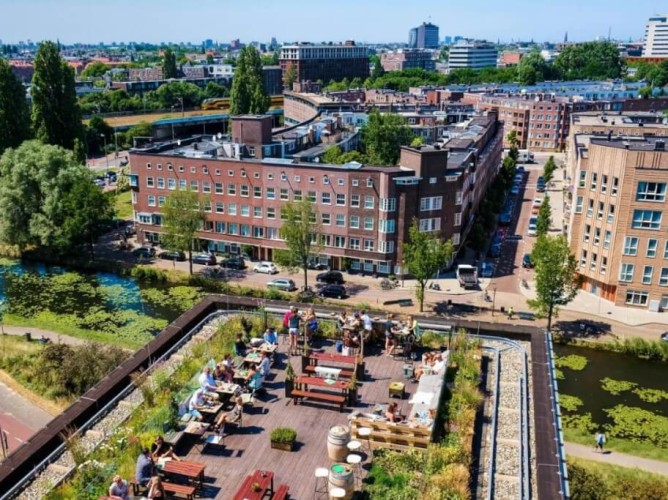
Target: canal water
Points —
{"points": [[586, 384]]}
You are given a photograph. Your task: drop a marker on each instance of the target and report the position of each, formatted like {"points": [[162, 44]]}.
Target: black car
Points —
{"points": [[505, 219], [237, 263], [527, 263], [175, 255], [333, 291], [332, 277], [144, 252]]}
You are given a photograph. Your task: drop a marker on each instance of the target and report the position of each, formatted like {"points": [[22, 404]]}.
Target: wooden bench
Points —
{"points": [[281, 492], [342, 373], [173, 438], [332, 398], [179, 489], [396, 436]]}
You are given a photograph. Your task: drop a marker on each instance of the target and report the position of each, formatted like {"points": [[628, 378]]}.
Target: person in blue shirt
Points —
{"points": [[144, 469], [270, 336]]}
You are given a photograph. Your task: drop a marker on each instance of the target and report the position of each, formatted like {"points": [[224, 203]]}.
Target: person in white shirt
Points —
{"points": [[367, 322], [196, 404], [207, 383]]}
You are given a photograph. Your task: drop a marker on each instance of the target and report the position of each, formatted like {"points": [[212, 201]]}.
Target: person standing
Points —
{"points": [[293, 329], [600, 441]]}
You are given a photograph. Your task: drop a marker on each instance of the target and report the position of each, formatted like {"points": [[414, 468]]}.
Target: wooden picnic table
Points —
{"points": [[253, 357], [227, 388], [263, 478], [268, 348], [333, 358], [194, 471], [211, 409], [196, 428], [341, 385]]}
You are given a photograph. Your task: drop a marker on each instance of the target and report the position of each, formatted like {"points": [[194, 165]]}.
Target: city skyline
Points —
{"points": [[170, 22]]}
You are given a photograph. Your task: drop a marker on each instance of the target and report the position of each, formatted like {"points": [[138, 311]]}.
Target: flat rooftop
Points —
{"points": [[634, 119], [633, 143]]}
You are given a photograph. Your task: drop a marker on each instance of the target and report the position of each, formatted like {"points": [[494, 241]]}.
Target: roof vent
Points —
{"points": [[660, 146]]}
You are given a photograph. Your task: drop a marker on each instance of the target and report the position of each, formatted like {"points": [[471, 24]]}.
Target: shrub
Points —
{"points": [[283, 435]]}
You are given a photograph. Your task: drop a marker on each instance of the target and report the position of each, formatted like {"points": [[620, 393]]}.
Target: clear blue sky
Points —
{"points": [[317, 20]]}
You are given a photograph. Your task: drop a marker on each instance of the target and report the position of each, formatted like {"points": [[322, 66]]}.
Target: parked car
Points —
{"points": [[664, 336], [537, 202], [144, 252], [265, 267], [519, 178], [487, 270], [505, 218], [315, 264], [494, 250], [520, 169], [283, 284], [333, 291], [527, 263], [334, 277], [173, 255], [533, 228], [237, 263], [205, 259], [515, 190]]}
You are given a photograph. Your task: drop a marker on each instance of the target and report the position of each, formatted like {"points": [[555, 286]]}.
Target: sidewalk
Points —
{"points": [[36, 333], [615, 458]]}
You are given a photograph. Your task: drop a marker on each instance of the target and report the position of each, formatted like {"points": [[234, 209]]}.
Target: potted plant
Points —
{"points": [[283, 438], [256, 487], [352, 391], [289, 380]]}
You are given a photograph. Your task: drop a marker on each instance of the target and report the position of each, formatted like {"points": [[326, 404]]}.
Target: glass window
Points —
{"points": [[271, 213], [355, 200], [626, 272], [368, 223], [431, 224], [587, 230], [271, 193], [606, 240], [150, 182], [611, 213], [340, 241], [663, 279], [257, 192], [597, 235], [355, 221], [635, 298], [651, 191], [387, 204], [604, 183], [245, 211], [257, 212], [232, 208], [578, 204], [583, 178], [244, 190], [326, 197], [161, 183], [652, 245], [386, 246], [182, 184], [354, 243], [590, 208], [368, 202], [232, 189], [326, 219], [340, 220], [386, 225], [220, 207], [219, 187], [171, 184], [646, 219], [647, 275], [368, 245], [604, 265], [284, 194], [297, 195], [151, 200], [630, 246], [206, 187], [340, 199], [312, 196], [594, 179], [161, 201], [615, 186]]}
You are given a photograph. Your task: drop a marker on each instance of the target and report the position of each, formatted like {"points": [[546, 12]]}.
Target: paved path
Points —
{"points": [[38, 332], [616, 458], [19, 418]]}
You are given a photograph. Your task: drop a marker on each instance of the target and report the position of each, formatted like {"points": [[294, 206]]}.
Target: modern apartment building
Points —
{"points": [[655, 43], [424, 36], [618, 213], [325, 62], [364, 211], [402, 59], [472, 55]]}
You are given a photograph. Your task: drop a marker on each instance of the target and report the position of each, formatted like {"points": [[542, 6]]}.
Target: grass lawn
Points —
{"points": [[645, 450], [58, 327], [124, 205], [618, 476], [11, 345]]}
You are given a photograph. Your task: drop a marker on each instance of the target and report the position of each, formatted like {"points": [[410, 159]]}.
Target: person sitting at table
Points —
{"points": [[293, 329], [390, 342], [232, 416], [160, 449], [240, 346], [270, 336], [219, 373], [265, 364], [311, 322], [341, 321], [207, 383], [228, 366], [355, 322], [351, 339], [196, 404], [156, 488], [367, 323], [392, 413], [119, 490], [144, 468], [431, 361]]}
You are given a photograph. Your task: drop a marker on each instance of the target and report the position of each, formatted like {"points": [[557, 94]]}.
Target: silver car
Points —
{"points": [[265, 267], [283, 284]]}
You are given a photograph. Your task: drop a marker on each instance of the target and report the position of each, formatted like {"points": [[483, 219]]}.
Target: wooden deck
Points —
{"points": [[249, 449]]}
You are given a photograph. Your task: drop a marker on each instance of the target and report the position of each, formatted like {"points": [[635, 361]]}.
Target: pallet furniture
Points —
{"points": [[395, 436]]}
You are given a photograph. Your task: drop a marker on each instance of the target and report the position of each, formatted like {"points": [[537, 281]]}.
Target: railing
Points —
{"points": [[495, 414]]}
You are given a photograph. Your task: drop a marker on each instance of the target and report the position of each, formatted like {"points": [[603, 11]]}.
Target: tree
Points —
{"points": [[544, 218], [183, 216], [589, 60], [477, 237], [169, 69], [548, 169], [382, 137], [97, 132], [177, 93], [87, 212], [532, 68], [214, 89], [556, 280], [424, 254], [332, 155], [142, 129], [417, 142], [301, 231], [378, 69], [37, 183], [56, 117], [248, 94], [290, 76], [14, 114], [95, 70]]}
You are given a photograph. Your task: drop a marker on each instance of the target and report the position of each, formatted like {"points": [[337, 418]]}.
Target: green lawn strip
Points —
{"points": [[123, 204], [645, 450], [57, 327]]}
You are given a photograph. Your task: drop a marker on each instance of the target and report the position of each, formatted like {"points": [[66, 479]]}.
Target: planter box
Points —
{"points": [[283, 446]]}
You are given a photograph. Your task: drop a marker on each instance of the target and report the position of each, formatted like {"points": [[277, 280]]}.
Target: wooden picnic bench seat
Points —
{"points": [[173, 437], [342, 373], [332, 398], [244, 486], [173, 489], [281, 492]]}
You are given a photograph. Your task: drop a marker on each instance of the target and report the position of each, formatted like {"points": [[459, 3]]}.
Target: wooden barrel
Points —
{"points": [[341, 476], [337, 439]]}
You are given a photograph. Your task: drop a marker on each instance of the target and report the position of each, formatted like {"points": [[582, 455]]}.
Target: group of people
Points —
{"points": [[295, 322], [393, 330], [432, 363], [145, 472]]}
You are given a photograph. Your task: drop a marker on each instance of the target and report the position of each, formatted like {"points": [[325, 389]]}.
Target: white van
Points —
{"points": [[533, 228], [525, 156]]}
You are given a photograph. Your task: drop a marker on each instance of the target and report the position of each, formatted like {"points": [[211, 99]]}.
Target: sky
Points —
{"points": [[92, 21]]}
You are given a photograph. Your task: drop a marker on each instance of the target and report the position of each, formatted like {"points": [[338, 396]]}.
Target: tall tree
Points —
{"points": [[97, 132], [183, 216], [56, 117], [532, 68], [590, 60], [383, 135], [169, 69], [556, 279], [300, 230], [248, 95], [37, 183], [14, 114], [548, 169], [290, 76], [544, 218], [423, 255]]}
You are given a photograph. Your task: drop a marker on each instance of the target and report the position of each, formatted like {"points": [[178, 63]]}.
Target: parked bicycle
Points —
{"points": [[386, 284]]}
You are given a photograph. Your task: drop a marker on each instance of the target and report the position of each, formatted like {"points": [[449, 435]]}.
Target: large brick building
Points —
{"points": [[365, 211], [619, 172], [325, 62]]}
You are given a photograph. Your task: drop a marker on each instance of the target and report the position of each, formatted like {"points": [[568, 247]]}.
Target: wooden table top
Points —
{"points": [[196, 428], [321, 382], [211, 408], [264, 478], [253, 357], [227, 388], [184, 468], [335, 358]]}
